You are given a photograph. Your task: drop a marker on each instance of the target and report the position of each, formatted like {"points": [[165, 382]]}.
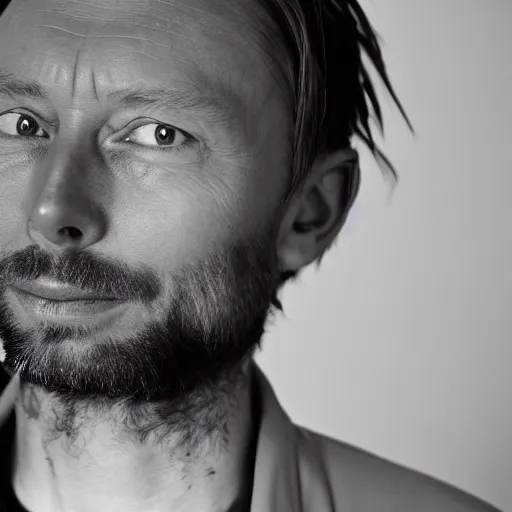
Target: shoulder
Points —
{"points": [[373, 484]]}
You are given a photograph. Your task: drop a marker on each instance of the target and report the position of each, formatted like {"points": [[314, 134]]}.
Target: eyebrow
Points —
{"points": [[177, 99], [212, 106], [14, 87]]}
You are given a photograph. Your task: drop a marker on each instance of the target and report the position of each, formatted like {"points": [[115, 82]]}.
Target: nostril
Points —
{"points": [[70, 232]]}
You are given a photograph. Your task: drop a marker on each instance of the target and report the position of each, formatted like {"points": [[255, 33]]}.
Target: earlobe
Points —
{"points": [[296, 255]]}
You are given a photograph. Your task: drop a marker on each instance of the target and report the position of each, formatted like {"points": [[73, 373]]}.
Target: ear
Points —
{"points": [[318, 211]]}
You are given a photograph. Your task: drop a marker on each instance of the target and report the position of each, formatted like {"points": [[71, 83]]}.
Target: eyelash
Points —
{"points": [[189, 142], [32, 118], [189, 139]]}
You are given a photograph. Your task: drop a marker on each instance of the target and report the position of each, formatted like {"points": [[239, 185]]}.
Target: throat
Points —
{"points": [[197, 455]]}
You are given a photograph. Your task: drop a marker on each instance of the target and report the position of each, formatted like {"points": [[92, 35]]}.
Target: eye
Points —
{"points": [[20, 125], [158, 136]]}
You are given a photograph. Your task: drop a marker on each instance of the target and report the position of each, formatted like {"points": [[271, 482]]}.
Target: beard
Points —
{"points": [[216, 310]]}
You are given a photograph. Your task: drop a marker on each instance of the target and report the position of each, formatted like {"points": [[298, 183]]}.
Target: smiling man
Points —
{"points": [[165, 167]]}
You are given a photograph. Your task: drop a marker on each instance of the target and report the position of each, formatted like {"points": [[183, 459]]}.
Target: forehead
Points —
{"points": [[211, 44]]}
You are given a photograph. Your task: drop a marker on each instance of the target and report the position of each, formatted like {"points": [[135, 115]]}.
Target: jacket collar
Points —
{"points": [[276, 479]]}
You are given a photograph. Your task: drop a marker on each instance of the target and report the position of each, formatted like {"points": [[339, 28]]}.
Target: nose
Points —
{"points": [[65, 212]]}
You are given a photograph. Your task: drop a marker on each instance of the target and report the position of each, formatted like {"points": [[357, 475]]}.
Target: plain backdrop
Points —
{"points": [[400, 342]]}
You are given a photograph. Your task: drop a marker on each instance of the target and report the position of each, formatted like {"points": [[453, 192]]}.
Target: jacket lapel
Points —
{"points": [[276, 475]]}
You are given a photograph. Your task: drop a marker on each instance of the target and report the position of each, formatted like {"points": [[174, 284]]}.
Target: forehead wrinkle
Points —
{"points": [[93, 83], [244, 61], [240, 27], [103, 36], [217, 16]]}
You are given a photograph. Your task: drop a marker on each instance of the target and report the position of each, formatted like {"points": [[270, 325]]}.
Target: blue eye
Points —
{"points": [[20, 125], [158, 136]]}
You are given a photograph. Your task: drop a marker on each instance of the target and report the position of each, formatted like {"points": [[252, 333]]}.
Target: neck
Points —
{"points": [[83, 456]]}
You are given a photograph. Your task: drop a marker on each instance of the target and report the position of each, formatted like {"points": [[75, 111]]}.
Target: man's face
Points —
{"points": [[160, 136]]}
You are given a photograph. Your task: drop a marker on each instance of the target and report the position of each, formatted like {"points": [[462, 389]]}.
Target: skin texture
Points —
{"points": [[153, 409]]}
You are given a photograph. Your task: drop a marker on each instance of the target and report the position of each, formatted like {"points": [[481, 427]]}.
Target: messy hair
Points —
{"points": [[332, 95]]}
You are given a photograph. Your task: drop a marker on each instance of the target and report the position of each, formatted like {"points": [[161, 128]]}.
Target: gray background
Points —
{"points": [[400, 342]]}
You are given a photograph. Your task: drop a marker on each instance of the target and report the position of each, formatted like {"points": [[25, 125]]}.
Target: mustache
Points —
{"points": [[82, 269]]}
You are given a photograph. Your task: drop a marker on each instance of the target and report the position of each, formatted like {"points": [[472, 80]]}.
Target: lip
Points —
{"points": [[92, 312], [54, 291]]}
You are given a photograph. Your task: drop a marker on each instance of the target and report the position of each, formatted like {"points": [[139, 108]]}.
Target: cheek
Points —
{"points": [[261, 192], [247, 197], [183, 221], [16, 160], [174, 224], [16, 169]]}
